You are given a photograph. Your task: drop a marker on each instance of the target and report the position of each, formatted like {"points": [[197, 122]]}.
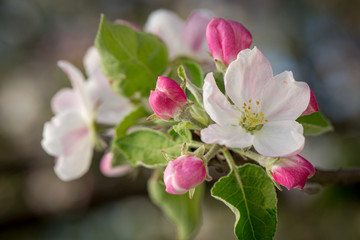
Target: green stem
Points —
{"points": [[254, 156], [197, 92], [212, 152]]}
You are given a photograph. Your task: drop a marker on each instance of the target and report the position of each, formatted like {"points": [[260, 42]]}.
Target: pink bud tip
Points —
{"points": [[183, 174], [109, 171], [313, 106], [226, 39], [292, 172], [168, 99]]}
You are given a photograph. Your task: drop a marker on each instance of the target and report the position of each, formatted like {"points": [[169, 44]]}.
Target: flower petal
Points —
{"points": [[168, 26], [195, 28], [66, 100], [247, 75], [230, 136], [75, 163], [57, 128], [283, 98], [111, 108], [78, 83], [279, 138], [216, 104]]}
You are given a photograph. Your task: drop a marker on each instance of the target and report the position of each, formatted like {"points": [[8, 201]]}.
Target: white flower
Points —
{"points": [[182, 38], [264, 111], [70, 135]]}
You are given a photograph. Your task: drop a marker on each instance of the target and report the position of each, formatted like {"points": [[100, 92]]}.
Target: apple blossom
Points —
{"points": [[168, 100], [70, 135], [226, 38], [182, 38], [292, 172], [183, 174], [264, 111]]}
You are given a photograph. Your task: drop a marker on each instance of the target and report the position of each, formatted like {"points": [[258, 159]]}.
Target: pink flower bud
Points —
{"points": [[313, 106], [226, 39], [109, 171], [183, 174], [168, 99], [292, 172]]}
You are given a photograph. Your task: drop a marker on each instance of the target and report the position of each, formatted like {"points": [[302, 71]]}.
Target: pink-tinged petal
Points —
{"points": [[194, 31], [68, 138], [171, 89], [128, 23], [57, 128], [279, 138], [230, 136], [108, 170], [75, 164], [78, 83], [184, 173], [66, 100], [168, 26], [283, 98], [246, 76], [313, 106], [292, 172], [216, 105], [226, 39], [162, 105]]}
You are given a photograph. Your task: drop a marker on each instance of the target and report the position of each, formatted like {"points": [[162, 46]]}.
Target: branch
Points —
{"points": [[336, 177]]}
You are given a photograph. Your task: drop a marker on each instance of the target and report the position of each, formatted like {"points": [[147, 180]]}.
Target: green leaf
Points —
{"points": [[120, 131], [195, 73], [315, 124], [132, 60], [183, 212], [144, 146], [129, 121], [182, 130], [252, 199]]}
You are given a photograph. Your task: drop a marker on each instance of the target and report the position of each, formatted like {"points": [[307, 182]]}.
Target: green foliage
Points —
{"points": [[132, 60], [120, 131], [315, 124], [184, 212], [195, 73], [252, 198], [182, 130], [145, 146]]}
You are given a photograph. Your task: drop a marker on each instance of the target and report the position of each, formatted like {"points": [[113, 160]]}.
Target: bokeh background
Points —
{"points": [[318, 40]]}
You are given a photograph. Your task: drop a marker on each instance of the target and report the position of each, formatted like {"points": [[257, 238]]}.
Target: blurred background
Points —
{"points": [[318, 40]]}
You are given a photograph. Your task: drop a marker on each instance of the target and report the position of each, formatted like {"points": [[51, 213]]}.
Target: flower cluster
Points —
{"points": [[256, 112]]}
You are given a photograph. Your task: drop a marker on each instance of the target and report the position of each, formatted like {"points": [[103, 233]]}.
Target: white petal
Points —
{"points": [[110, 107], [230, 136], [78, 83], [283, 98], [279, 138], [247, 75], [59, 126], [216, 104], [168, 26], [76, 162], [66, 100], [91, 61]]}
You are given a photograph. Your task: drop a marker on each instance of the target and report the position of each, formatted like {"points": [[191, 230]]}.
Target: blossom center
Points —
{"points": [[252, 119]]}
